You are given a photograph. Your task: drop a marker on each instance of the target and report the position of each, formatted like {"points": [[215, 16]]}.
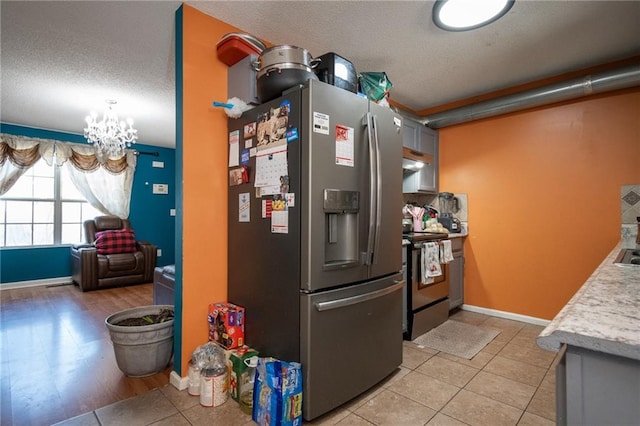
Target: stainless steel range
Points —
{"points": [[426, 305]]}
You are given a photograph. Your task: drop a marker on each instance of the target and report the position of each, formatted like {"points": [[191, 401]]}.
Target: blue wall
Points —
{"points": [[149, 214]]}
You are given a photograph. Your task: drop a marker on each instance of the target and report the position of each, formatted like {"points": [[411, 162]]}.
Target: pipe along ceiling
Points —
{"points": [[606, 81]]}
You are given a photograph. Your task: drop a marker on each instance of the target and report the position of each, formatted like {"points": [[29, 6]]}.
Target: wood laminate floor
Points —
{"points": [[56, 357]]}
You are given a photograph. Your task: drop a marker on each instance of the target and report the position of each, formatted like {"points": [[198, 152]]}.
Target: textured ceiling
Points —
{"points": [[62, 59]]}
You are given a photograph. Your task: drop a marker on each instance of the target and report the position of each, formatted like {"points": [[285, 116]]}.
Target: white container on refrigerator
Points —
{"points": [[241, 80]]}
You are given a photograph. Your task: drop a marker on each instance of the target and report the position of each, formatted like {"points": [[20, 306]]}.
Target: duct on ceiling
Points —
{"points": [[620, 78]]}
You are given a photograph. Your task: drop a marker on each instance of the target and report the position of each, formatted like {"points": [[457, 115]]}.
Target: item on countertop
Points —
{"points": [[432, 225], [431, 211], [417, 214], [277, 393], [449, 205]]}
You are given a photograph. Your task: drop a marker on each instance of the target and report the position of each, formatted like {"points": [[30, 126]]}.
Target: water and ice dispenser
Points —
{"points": [[341, 228]]}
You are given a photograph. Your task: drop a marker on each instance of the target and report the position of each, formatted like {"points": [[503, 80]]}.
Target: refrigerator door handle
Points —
{"points": [[348, 301], [376, 242], [372, 189]]}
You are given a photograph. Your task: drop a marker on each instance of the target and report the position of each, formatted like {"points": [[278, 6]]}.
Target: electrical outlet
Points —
{"points": [[159, 252], [172, 212]]}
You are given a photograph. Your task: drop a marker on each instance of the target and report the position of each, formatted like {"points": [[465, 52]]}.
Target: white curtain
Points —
{"points": [[106, 183], [18, 154]]}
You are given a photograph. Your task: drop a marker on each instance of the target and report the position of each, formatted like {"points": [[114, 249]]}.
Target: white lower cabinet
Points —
{"points": [[594, 388], [456, 274]]}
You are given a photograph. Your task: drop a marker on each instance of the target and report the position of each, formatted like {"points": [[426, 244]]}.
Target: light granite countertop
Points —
{"points": [[458, 235], [603, 316]]}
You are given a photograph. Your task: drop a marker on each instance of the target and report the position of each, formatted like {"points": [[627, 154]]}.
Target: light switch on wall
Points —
{"points": [[159, 252], [172, 212], [158, 164], [160, 188]]}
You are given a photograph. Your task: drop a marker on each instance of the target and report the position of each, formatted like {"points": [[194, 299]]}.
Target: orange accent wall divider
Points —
{"points": [[544, 197], [205, 177]]}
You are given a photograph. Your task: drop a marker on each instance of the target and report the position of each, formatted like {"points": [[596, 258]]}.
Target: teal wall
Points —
{"points": [[149, 214], [177, 330]]}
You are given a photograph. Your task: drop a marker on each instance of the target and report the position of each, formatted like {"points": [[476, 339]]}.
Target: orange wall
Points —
{"points": [[543, 187], [205, 159], [544, 197]]}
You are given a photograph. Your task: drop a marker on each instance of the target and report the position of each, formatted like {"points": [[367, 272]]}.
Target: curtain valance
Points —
{"points": [[105, 182]]}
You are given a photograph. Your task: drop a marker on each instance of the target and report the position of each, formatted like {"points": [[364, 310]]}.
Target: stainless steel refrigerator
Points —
{"points": [[315, 199]]}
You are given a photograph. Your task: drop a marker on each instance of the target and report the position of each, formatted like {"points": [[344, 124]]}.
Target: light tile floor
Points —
{"points": [[510, 382]]}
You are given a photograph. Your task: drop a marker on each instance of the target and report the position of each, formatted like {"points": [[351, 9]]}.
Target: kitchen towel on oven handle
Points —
{"points": [[430, 262], [446, 254]]}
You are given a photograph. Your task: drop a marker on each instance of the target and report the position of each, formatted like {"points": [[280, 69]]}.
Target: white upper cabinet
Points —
{"points": [[420, 143]]}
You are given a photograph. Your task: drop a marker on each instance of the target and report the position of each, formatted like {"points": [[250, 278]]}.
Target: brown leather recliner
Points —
{"points": [[91, 270]]}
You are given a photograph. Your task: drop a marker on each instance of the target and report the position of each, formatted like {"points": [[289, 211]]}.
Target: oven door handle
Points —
{"points": [[419, 265], [348, 301]]}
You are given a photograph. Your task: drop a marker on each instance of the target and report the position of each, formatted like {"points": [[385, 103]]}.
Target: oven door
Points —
{"points": [[426, 294]]}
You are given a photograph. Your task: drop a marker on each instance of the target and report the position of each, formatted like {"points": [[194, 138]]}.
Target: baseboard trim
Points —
{"points": [[178, 382], [506, 315], [36, 283]]}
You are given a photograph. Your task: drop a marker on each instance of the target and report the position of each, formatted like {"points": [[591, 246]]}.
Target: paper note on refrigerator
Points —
{"points": [[344, 145], [234, 148], [280, 222], [320, 123], [244, 207], [271, 167]]}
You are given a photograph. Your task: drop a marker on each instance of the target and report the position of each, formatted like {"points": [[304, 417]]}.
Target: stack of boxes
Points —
{"points": [[226, 324], [226, 327]]}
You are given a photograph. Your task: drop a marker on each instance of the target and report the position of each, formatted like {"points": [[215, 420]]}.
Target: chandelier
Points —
{"points": [[110, 136]]}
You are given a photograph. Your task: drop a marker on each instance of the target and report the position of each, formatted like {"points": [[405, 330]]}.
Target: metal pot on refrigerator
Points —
{"points": [[282, 67]]}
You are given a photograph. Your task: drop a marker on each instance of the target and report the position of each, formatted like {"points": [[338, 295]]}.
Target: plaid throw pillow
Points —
{"points": [[118, 241]]}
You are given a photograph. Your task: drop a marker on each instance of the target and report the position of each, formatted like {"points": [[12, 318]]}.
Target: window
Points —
{"points": [[43, 208]]}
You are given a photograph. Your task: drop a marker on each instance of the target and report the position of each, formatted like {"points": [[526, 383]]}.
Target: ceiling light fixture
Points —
{"points": [[110, 136], [464, 15]]}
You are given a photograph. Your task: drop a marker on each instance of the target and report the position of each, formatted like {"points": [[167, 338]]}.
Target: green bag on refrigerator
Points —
{"points": [[375, 85]]}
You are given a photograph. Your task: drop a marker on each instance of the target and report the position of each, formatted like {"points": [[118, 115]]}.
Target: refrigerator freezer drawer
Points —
{"points": [[351, 340]]}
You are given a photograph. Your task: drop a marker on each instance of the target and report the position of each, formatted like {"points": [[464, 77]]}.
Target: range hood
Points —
{"points": [[412, 161]]}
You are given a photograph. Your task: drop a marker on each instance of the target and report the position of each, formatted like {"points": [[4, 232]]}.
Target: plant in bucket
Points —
{"points": [[142, 339]]}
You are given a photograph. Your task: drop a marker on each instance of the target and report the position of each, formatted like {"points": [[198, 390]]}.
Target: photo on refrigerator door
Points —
{"points": [[272, 126]]}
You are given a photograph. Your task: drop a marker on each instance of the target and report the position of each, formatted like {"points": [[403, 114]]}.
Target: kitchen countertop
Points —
{"points": [[427, 236], [603, 315], [458, 235]]}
